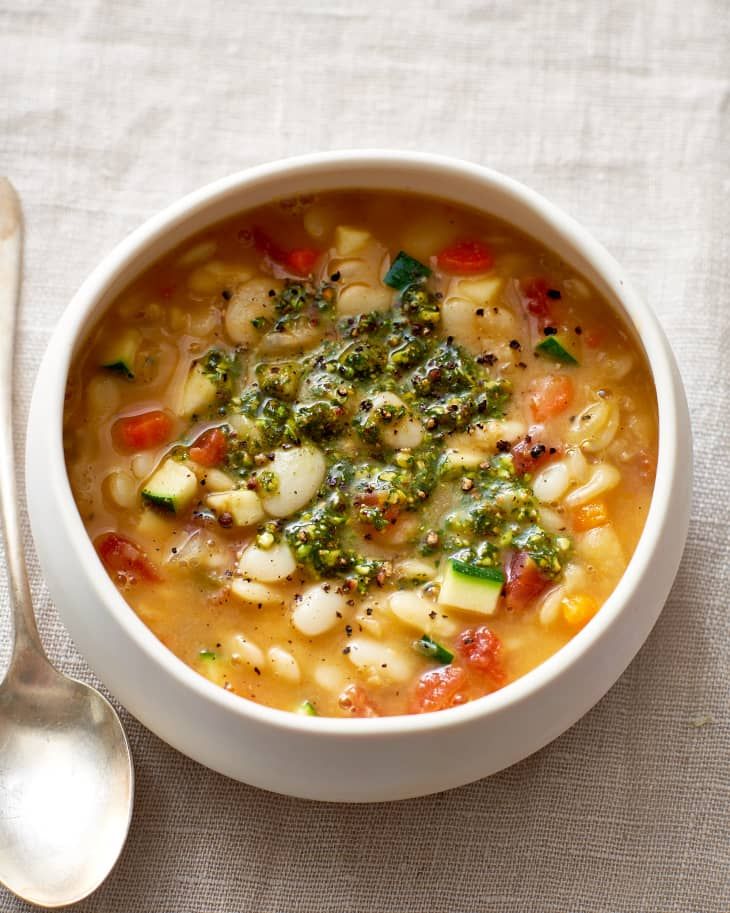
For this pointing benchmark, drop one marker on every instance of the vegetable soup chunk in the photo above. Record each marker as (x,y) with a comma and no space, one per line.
(360,454)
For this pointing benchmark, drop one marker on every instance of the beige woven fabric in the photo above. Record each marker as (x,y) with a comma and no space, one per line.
(617,110)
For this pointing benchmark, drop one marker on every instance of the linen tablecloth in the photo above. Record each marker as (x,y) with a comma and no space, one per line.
(619,112)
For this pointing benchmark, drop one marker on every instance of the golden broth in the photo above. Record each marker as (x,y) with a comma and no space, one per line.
(531,440)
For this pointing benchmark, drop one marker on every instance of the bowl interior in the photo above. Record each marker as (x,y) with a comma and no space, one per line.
(457,182)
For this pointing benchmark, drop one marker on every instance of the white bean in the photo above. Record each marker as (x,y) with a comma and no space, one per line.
(618,366)
(256,593)
(603,478)
(595,427)
(551,483)
(267,565)
(103,395)
(577,464)
(406,431)
(462,458)
(319,220)
(351,269)
(299,471)
(415,611)
(362,298)
(381,662)
(457,320)
(318,610)
(284,665)
(414,569)
(297,340)
(329,677)
(197,253)
(245,651)
(601,549)
(574,580)
(551,520)
(486,434)
(250,302)
(143,464)
(121,488)
(215,479)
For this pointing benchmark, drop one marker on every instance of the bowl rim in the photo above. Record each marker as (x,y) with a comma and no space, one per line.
(83,308)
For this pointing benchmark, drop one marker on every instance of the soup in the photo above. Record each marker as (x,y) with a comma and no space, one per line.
(362,453)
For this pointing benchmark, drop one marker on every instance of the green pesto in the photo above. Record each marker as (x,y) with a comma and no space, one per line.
(280,379)
(327,396)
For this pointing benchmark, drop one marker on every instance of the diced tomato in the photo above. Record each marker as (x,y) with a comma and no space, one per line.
(530,453)
(143,431)
(301,260)
(439,689)
(210,448)
(481,650)
(525,582)
(465,257)
(124,558)
(550,395)
(354,699)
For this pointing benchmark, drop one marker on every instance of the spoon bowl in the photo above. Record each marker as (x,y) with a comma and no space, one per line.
(66,780)
(66,775)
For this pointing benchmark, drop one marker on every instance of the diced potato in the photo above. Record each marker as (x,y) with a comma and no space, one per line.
(481,291)
(349,240)
(198,393)
(243,505)
(427,236)
(153,524)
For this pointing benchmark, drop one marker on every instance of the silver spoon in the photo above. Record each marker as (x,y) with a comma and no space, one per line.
(66,775)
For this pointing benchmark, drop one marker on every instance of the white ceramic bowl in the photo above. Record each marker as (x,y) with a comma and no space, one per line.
(353,759)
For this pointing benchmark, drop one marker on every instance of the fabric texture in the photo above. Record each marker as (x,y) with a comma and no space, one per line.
(619,112)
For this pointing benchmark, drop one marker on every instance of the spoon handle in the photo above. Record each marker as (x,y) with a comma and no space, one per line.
(26,632)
